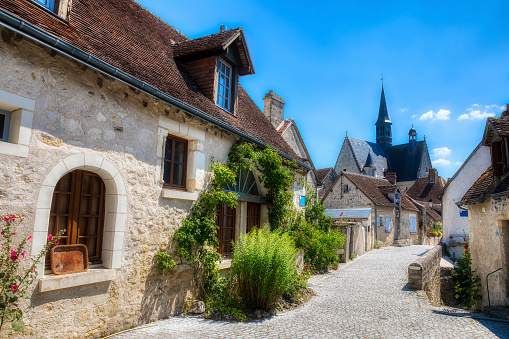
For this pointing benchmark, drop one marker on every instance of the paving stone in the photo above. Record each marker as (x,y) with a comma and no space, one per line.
(366,298)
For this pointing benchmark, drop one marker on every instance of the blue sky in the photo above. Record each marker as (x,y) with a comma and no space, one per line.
(445,64)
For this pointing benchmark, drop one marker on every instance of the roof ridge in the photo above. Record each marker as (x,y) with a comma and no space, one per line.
(205,36)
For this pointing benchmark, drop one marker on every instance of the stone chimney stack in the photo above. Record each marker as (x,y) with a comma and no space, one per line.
(391,176)
(274,108)
(506,112)
(433,175)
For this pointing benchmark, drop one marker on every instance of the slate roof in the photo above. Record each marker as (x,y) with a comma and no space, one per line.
(322,173)
(349,213)
(423,190)
(480,187)
(383,113)
(126,36)
(361,149)
(405,164)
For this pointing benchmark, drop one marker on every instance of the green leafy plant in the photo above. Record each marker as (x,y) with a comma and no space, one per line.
(197,240)
(263,267)
(377,245)
(16,276)
(467,283)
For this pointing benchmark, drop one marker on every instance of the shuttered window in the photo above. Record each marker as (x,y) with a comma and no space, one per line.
(413,227)
(226,228)
(388,224)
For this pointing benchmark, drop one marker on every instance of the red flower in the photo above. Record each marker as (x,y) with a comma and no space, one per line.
(24,254)
(305,267)
(14,257)
(466,252)
(56,243)
(466,246)
(341,214)
(14,288)
(50,237)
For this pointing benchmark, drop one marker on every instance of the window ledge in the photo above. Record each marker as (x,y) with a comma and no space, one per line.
(14,149)
(180,195)
(225,264)
(53,282)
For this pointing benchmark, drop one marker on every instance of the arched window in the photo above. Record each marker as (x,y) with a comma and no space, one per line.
(78,208)
(245,183)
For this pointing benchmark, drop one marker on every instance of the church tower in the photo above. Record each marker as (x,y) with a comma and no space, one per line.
(383,124)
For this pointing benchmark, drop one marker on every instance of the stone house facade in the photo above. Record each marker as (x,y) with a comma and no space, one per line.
(488,216)
(455,219)
(393,216)
(110,135)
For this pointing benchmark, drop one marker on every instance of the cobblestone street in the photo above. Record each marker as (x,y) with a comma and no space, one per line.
(366,298)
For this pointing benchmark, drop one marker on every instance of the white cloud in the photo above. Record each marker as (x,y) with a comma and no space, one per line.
(414,116)
(441,152)
(440,162)
(404,109)
(481,112)
(458,163)
(442,114)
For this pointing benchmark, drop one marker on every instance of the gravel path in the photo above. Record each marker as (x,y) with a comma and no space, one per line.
(366,298)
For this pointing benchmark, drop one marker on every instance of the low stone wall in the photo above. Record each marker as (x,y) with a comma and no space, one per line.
(433,241)
(424,274)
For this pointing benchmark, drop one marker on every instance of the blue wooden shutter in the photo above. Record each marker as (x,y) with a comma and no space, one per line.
(387,224)
(412,224)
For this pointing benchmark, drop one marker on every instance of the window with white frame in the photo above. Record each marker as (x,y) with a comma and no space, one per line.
(413,226)
(5,123)
(16,116)
(224,85)
(387,224)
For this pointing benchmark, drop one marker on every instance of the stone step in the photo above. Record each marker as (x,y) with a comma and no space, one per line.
(400,243)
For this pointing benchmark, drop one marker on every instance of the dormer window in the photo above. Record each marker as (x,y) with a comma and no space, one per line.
(224,85)
(58,7)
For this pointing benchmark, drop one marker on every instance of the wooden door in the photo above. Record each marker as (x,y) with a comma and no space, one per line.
(253,216)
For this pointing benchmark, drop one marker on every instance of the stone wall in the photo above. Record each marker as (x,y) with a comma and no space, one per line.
(413,238)
(424,274)
(382,235)
(489,230)
(354,198)
(346,160)
(80,112)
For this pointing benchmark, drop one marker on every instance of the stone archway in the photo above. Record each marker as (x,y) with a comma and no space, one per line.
(115,205)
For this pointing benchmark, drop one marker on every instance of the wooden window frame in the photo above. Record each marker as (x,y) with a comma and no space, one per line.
(172,162)
(221,208)
(229,91)
(250,216)
(76,194)
(5,126)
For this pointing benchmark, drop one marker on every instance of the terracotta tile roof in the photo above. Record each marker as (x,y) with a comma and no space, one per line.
(284,126)
(322,173)
(386,189)
(480,187)
(423,190)
(433,214)
(128,37)
(370,186)
(407,203)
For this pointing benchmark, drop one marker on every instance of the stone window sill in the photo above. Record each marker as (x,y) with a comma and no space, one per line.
(225,264)
(179,195)
(14,149)
(53,282)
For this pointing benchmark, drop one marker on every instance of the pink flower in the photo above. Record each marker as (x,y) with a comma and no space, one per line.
(14,234)
(56,243)
(13,217)
(7,218)
(24,254)
(30,238)
(316,257)
(14,257)
(50,237)
(309,260)
(14,288)
(33,270)
(13,250)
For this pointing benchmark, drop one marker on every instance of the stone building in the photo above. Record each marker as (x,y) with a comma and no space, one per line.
(110,120)
(454,218)
(408,162)
(487,201)
(394,218)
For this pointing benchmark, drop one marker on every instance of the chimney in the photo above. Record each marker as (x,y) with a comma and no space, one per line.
(391,176)
(274,108)
(506,112)
(433,175)
(222,28)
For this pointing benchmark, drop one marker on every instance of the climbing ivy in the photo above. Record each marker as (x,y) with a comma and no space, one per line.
(197,240)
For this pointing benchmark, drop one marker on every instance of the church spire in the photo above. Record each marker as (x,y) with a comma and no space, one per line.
(383,123)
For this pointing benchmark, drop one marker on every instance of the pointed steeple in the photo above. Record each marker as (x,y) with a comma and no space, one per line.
(383,124)
(383,113)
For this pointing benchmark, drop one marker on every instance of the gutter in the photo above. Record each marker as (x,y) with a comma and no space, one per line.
(21,27)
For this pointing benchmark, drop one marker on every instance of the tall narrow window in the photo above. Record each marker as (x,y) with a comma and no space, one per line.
(175,162)
(224,76)
(226,228)
(413,227)
(78,208)
(253,216)
(5,118)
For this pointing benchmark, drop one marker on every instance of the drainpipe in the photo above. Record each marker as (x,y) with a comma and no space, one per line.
(35,34)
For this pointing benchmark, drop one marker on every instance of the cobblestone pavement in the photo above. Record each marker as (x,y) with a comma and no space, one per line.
(366,298)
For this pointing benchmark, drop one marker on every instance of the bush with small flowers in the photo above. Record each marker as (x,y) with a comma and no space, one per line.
(467,283)
(16,275)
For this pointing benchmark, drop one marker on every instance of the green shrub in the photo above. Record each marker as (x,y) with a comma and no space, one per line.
(377,245)
(467,284)
(263,267)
